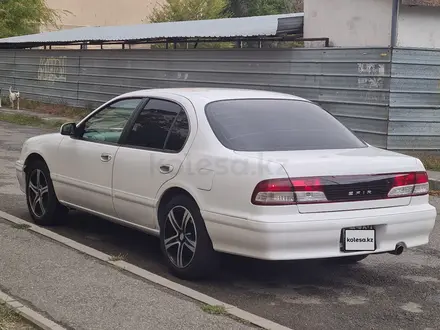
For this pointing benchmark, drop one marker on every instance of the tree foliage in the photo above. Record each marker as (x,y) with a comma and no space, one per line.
(185,10)
(19,17)
(188,10)
(242,8)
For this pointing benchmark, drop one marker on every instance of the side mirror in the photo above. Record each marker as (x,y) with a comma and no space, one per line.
(68,129)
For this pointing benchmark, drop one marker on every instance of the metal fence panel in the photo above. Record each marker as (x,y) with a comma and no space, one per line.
(390,101)
(414,121)
(47,76)
(7,68)
(353,84)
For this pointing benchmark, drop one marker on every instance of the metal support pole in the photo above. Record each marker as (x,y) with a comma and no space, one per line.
(394,22)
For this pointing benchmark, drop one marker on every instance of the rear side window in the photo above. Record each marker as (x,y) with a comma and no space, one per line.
(178,133)
(277,125)
(153,124)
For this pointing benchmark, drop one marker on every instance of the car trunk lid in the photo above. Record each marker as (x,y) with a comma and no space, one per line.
(351,179)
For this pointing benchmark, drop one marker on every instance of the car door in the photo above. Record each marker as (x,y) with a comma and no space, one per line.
(150,154)
(83,174)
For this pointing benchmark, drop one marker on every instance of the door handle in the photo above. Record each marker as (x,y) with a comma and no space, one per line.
(165,169)
(106,157)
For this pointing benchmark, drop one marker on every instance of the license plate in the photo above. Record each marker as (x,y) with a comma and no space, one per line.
(359,240)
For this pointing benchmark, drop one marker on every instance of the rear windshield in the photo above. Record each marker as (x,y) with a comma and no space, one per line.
(277,125)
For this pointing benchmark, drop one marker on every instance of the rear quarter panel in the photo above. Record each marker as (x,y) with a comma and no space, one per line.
(220,180)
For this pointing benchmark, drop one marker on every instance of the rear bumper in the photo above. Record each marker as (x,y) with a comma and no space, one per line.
(318,238)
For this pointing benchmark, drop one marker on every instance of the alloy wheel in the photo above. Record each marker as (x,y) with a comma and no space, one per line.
(180,239)
(38,193)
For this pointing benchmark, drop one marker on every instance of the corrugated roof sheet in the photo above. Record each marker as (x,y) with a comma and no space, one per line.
(269,25)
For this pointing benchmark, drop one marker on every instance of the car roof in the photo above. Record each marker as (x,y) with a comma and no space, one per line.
(207,95)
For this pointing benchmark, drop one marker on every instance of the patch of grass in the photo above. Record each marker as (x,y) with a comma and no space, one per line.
(215,310)
(117,257)
(61,110)
(20,226)
(26,120)
(7,317)
(221,310)
(10,320)
(435,193)
(431,162)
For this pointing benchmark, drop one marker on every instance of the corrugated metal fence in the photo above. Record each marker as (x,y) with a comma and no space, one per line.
(353,84)
(414,121)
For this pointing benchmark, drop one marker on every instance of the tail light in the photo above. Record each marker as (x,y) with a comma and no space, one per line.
(274,192)
(289,192)
(312,189)
(411,184)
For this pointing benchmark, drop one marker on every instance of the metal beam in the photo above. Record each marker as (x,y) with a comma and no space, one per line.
(394,22)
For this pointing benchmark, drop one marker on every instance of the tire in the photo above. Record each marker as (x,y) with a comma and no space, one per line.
(42,203)
(191,241)
(349,260)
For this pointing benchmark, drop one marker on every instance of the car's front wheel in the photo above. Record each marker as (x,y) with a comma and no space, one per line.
(42,202)
(185,241)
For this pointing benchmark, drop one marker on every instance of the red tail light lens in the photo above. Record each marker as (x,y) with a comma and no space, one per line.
(307,184)
(404,179)
(309,190)
(422,177)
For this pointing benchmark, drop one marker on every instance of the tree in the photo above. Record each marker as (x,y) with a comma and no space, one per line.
(184,10)
(188,10)
(242,8)
(20,17)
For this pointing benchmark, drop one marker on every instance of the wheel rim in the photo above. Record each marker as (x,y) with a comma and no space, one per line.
(38,193)
(180,239)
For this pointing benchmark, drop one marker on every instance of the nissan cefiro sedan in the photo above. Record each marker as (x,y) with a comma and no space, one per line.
(251,173)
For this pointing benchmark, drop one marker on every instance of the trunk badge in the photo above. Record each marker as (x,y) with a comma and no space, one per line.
(360,193)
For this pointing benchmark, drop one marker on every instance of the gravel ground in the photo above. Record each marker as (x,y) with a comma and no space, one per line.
(384,291)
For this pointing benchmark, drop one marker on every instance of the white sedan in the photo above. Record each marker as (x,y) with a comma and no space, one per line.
(251,173)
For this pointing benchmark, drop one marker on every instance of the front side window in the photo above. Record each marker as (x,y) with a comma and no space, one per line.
(107,125)
(277,125)
(152,126)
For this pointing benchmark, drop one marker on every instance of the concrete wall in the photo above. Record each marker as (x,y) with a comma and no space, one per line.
(349,23)
(102,12)
(419,27)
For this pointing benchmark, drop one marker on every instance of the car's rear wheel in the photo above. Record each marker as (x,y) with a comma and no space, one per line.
(43,205)
(185,241)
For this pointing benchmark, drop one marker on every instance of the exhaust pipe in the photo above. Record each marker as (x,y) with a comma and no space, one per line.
(400,247)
